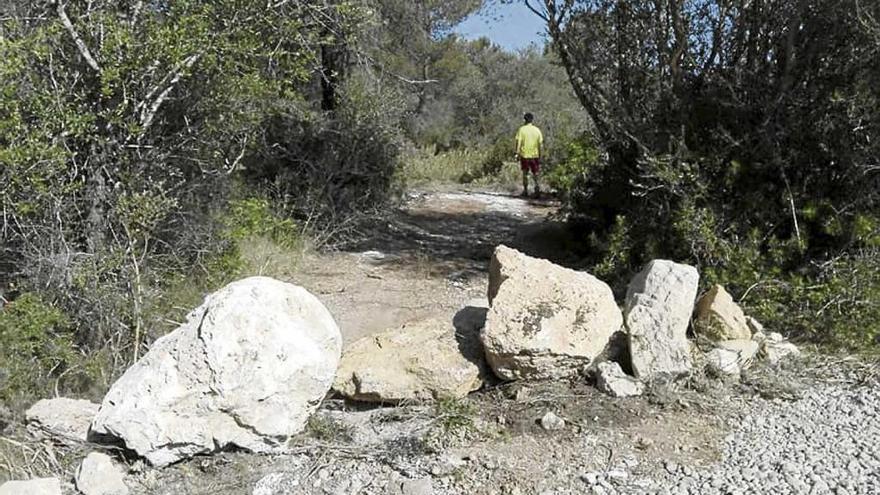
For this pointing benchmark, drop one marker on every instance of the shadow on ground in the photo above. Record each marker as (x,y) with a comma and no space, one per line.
(454,232)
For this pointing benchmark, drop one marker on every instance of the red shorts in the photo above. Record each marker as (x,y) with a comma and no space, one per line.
(533,164)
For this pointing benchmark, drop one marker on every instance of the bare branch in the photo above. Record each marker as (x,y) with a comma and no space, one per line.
(147,118)
(80,44)
(535,10)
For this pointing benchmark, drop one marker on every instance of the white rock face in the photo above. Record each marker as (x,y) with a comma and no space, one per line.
(718,317)
(98,475)
(659,304)
(64,420)
(41,486)
(545,321)
(247,369)
(613,381)
(423,360)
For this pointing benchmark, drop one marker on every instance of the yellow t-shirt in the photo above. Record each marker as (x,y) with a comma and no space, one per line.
(529,141)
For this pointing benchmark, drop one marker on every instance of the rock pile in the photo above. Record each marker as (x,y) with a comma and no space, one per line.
(546,321)
(255,360)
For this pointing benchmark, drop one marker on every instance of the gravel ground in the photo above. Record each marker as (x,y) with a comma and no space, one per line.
(826,442)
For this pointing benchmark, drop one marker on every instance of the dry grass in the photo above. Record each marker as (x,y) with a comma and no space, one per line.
(22,458)
(455,167)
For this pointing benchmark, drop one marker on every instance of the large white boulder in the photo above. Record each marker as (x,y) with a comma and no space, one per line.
(99,475)
(718,317)
(247,369)
(659,304)
(64,420)
(423,360)
(545,321)
(39,486)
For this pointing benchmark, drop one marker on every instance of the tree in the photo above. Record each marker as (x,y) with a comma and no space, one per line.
(122,125)
(706,108)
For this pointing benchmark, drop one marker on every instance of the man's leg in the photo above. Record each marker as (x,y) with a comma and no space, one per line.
(536,173)
(525,172)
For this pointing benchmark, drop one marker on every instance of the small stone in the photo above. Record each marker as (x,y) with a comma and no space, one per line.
(99,475)
(617,475)
(778,351)
(644,443)
(40,486)
(613,381)
(552,422)
(421,486)
(590,478)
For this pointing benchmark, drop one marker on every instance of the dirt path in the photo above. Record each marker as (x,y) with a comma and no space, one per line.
(428,258)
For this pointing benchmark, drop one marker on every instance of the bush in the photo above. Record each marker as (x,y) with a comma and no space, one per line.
(38,351)
(573,166)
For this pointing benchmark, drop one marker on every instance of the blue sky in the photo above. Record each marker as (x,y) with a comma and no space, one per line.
(511,26)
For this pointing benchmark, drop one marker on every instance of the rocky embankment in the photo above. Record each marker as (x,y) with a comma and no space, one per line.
(250,368)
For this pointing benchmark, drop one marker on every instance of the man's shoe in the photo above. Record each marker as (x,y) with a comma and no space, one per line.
(524,194)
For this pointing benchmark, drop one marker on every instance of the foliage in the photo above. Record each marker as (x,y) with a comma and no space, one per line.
(736,136)
(580,161)
(38,350)
(326,429)
(132,137)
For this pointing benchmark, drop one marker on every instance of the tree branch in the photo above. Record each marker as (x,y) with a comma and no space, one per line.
(148,117)
(80,44)
(535,10)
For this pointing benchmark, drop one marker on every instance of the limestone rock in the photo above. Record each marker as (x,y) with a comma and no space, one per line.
(659,304)
(64,420)
(545,321)
(754,325)
(420,486)
(732,356)
(247,369)
(41,486)
(775,352)
(423,360)
(723,361)
(718,317)
(98,475)
(613,381)
(552,422)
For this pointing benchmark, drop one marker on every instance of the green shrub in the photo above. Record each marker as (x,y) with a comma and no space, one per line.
(253,217)
(37,350)
(579,159)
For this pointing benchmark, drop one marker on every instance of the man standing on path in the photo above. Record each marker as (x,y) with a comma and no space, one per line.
(529,145)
